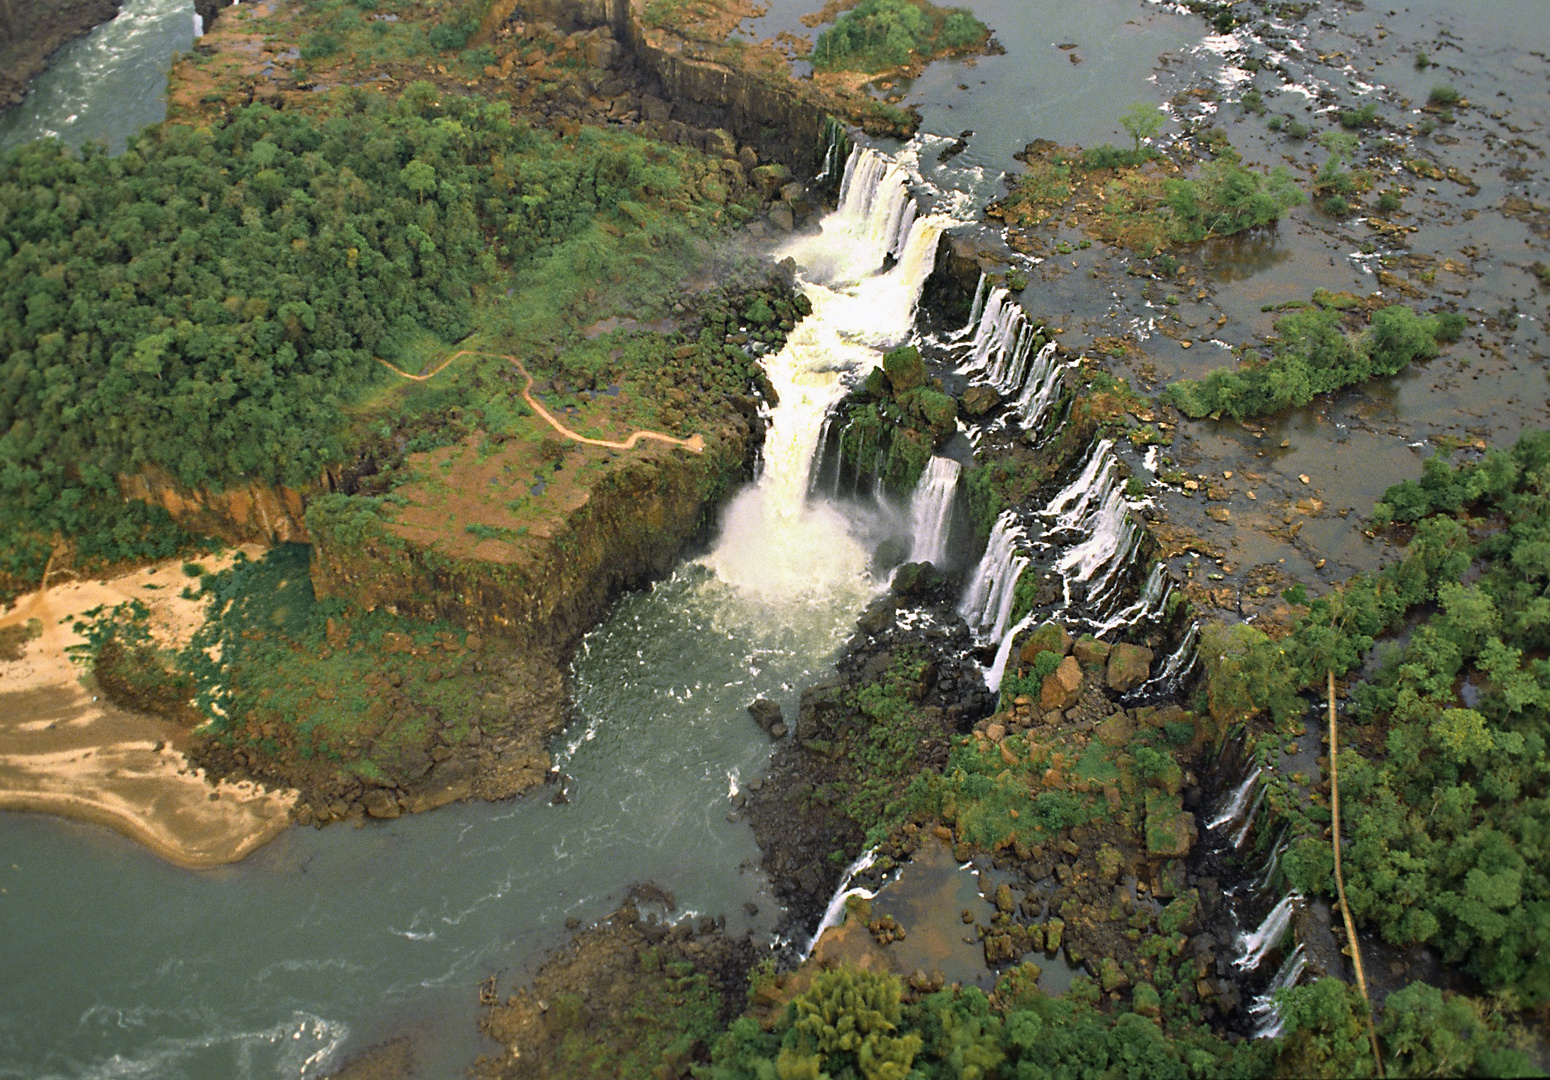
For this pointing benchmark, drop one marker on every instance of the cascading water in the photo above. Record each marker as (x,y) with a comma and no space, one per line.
(1040,388)
(776,541)
(1237,803)
(1003,337)
(1093,506)
(876,219)
(834,913)
(987,605)
(1268,1019)
(931,509)
(1254,947)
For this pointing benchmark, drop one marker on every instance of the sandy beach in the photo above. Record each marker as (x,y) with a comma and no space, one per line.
(66,751)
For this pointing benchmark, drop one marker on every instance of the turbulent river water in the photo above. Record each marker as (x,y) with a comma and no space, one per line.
(118,965)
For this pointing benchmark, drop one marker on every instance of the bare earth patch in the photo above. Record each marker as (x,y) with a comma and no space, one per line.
(63,751)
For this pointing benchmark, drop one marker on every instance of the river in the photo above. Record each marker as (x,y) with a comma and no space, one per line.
(119,965)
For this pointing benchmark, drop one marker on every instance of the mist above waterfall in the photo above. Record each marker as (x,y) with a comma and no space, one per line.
(778,543)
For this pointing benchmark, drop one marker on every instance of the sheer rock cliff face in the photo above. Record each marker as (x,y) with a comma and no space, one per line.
(630,530)
(252,513)
(700,93)
(30,31)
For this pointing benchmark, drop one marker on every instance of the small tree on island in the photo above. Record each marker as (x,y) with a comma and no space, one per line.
(1141,121)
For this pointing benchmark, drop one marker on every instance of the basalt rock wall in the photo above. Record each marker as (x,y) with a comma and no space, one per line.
(631,530)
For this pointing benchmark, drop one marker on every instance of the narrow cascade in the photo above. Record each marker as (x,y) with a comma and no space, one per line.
(1239,801)
(1248,819)
(1151,602)
(1093,506)
(981,291)
(1003,337)
(1269,1021)
(1253,948)
(931,509)
(987,604)
(835,912)
(775,541)
(1177,667)
(1040,388)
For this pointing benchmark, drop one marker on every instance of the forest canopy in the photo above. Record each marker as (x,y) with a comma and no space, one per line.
(209,303)
(880,34)
(1313,355)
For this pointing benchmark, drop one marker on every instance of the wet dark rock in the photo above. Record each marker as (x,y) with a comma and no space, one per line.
(765,713)
(979,399)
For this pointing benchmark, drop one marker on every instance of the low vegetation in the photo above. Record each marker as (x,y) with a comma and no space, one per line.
(878,35)
(1140,199)
(1314,354)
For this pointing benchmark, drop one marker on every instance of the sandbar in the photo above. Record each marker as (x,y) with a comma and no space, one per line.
(66,750)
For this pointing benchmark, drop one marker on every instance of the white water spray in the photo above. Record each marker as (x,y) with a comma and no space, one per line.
(835,912)
(1263,1008)
(1239,801)
(931,509)
(987,604)
(1253,948)
(775,542)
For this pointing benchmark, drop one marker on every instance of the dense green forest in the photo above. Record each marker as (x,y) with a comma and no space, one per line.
(1313,355)
(1445,779)
(850,1025)
(879,34)
(209,302)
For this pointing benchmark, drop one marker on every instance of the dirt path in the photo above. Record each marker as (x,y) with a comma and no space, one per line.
(695,443)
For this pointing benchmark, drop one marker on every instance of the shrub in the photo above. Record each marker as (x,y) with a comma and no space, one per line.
(1444,95)
(320,45)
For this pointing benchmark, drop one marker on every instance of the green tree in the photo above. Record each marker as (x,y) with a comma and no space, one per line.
(1141,122)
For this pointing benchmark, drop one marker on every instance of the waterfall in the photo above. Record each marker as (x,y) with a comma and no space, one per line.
(931,509)
(1003,337)
(1093,506)
(836,909)
(1237,803)
(775,542)
(1248,819)
(1254,947)
(1179,664)
(1042,384)
(1150,604)
(987,604)
(873,221)
(1263,1008)
(975,310)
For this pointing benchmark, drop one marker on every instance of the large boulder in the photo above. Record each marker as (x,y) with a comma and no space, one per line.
(1116,731)
(1051,637)
(380,803)
(766,714)
(1170,829)
(1090,652)
(1062,689)
(905,368)
(978,400)
(1129,666)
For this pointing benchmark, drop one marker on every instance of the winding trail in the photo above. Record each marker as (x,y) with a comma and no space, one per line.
(695,443)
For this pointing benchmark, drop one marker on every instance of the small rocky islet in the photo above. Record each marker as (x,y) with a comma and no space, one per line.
(1098,712)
